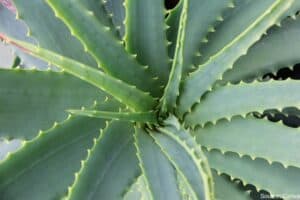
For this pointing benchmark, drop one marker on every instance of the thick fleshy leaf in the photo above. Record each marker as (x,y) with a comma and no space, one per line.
(236,21)
(274,177)
(145,35)
(245,98)
(202,17)
(158,171)
(171,92)
(226,189)
(35,171)
(106,49)
(187,157)
(31,100)
(172,22)
(248,136)
(277,49)
(138,190)
(97,7)
(185,189)
(111,165)
(116,9)
(127,94)
(49,31)
(259,16)
(145,117)
(16,28)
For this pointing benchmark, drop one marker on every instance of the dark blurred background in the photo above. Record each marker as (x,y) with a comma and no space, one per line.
(171,3)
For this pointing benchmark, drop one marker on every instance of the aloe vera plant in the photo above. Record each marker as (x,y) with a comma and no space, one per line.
(143,103)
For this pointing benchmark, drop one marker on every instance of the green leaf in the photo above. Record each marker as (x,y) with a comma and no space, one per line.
(232,23)
(116,10)
(263,14)
(111,165)
(158,171)
(275,50)
(172,21)
(253,135)
(32,100)
(203,16)
(127,94)
(271,177)
(35,171)
(145,35)
(185,189)
(171,91)
(138,190)
(187,157)
(106,49)
(244,98)
(237,20)
(146,117)
(97,7)
(10,26)
(226,189)
(49,31)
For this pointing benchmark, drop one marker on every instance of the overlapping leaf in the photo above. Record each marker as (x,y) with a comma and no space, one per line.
(145,35)
(111,165)
(34,100)
(279,48)
(262,15)
(127,94)
(160,159)
(274,177)
(35,171)
(187,158)
(158,171)
(245,98)
(49,31)
(10,26)
(253,135)
(106,49)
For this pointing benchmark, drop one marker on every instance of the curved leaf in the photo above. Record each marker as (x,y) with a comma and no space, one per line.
(49,31)
(187,157)
(35,171)
(97,7)
(116,10)
(138,190)
(127,94)
(158,171)
(202,17)
(226,189)
(171,91)
(172,21)
(279,48)
(32,100)
(16,28)
(267,13)
(274,177)
(253,135)
(145,35)
(245,98)
(111,165)
(106,49)
(146,117)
